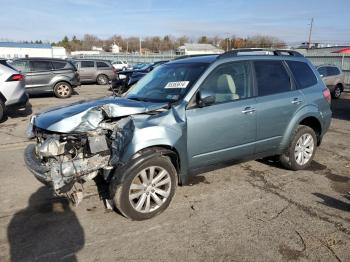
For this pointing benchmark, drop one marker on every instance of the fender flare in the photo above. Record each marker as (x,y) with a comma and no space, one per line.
(307,111)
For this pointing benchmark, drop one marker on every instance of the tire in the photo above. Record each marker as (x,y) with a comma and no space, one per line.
(2,110)
(144,202)
(63,90)
(300,153)
(336,92)
(102,79)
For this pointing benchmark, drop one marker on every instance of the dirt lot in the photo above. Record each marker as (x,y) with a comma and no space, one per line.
(253,211)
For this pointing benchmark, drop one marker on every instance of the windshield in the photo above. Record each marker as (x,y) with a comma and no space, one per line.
(167,83)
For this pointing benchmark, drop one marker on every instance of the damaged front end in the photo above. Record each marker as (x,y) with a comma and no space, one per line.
(67,160)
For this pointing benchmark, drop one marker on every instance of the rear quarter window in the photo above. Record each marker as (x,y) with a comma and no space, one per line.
(303,74)
(102,65)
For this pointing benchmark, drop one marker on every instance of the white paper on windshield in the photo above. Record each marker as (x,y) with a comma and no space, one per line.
(178,84)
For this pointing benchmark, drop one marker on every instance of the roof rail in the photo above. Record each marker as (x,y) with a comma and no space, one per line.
(189,56)
(276,52)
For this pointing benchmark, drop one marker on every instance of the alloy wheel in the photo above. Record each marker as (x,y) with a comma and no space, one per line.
(304,149)
(150,189)
(63,90)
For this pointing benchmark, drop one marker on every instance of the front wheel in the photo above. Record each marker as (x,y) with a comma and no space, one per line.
(63,90)
(301,150)
(147,190)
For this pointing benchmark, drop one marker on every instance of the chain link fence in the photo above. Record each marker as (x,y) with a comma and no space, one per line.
(342,61)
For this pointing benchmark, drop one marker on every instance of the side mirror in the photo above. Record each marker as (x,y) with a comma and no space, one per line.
(205,98)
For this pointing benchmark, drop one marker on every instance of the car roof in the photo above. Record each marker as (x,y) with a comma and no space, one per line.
(194,59)
(40,58)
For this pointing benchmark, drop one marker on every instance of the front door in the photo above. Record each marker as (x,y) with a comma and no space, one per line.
(225,130)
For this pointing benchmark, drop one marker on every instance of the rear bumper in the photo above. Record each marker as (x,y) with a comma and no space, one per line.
(35,166)
(19,102)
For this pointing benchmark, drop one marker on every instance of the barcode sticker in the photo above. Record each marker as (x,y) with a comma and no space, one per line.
(179,84)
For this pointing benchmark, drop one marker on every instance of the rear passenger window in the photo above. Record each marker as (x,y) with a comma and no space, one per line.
(302,73)
(61,65)
(38,66)
(271,77)
(102,65)
(87,64)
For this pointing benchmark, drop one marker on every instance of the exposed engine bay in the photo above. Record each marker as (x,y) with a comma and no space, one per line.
(66,161)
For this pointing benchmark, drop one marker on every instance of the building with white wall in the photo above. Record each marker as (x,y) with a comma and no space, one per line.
(115,48)
(198,49)
(12,50)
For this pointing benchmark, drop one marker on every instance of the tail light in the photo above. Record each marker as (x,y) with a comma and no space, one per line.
(327,95)
(15,77)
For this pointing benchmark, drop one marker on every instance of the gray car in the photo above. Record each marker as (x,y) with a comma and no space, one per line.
(95,71)
(333,77)
(184,115)
(12,92)
(48,75)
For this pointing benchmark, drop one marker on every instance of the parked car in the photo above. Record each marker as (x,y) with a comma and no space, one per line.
(12,91)
(95,71)
(333,78)
(128,78)
(47,75)
(184,115)
(121,65)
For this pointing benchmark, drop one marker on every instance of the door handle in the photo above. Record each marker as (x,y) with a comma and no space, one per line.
(248,110)
(297,101)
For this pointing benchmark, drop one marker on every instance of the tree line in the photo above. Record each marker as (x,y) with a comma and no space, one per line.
(156,44)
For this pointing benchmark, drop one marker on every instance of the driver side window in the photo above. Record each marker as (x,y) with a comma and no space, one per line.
(229,82)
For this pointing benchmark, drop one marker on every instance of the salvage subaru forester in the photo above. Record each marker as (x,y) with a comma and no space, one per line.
(188,113)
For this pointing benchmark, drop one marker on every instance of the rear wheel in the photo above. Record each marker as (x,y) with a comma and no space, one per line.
(63,90)
(337,92)
(301,150)
(147,190)
(102,79)
(2,110)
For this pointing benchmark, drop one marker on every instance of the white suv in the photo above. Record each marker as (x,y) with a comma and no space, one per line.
(121,65)
(12,91)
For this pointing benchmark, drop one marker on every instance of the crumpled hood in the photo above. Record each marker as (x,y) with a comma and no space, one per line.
(86,116)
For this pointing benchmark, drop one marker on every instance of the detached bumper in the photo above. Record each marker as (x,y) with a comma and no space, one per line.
(34,165)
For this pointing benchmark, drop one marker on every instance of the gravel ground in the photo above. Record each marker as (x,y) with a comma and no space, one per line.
(252,211)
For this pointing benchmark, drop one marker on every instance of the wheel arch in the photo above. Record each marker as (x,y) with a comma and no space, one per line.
(308,116)
(118,175)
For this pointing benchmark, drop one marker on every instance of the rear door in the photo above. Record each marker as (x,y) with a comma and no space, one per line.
(41,73)
(277,101)
(87,71)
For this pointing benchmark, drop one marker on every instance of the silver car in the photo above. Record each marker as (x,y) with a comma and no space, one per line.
(333,77)
(12,91)
(95,71)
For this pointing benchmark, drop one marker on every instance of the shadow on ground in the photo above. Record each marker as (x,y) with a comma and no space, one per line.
(47,230)
(335,203)
(341,107)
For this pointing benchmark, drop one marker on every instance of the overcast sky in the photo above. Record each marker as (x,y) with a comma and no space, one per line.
(53,19)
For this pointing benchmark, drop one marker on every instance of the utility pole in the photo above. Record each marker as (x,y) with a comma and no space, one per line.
(310,32)
(140,45)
